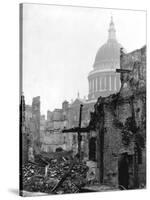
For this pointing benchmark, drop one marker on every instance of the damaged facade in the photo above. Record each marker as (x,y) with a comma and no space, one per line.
(31,128)
(24,140)
(120,125)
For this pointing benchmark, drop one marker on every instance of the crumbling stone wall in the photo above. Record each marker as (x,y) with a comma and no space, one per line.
(120,124)
(23,134)
(36,123)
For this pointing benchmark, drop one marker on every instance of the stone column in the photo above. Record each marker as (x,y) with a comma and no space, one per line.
(105,83)
(97,83)
(100,84)
(90,88)
(115,88)
(92,85)
(96,86)
(93,88)
(110,82)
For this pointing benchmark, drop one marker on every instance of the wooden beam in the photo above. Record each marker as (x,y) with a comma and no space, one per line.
(76,130)
(123,70)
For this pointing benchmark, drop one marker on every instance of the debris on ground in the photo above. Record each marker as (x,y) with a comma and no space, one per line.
(60,177)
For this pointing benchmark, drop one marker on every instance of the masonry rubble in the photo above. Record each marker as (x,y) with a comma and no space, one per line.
(35,179)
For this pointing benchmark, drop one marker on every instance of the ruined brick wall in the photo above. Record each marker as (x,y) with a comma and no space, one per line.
(114,124)
(112,142)
(136,63)
(120,123)
(36,124)
(23,133)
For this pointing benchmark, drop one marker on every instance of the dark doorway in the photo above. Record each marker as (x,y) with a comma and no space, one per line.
(92,149)
(123,171)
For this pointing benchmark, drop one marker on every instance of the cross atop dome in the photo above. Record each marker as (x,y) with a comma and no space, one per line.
(111,30)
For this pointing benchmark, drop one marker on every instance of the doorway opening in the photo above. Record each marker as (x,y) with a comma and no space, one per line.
(123,169)
(92,149)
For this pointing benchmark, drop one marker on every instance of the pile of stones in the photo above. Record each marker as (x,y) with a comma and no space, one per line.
(35,179)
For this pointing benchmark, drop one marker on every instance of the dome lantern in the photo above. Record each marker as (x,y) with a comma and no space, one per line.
(112,30)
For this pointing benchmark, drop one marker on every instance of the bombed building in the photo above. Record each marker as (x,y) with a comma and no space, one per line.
(114,144)
(119,121)
(106,139)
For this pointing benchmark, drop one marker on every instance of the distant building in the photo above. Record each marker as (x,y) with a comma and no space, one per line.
(103,80)
(64,118)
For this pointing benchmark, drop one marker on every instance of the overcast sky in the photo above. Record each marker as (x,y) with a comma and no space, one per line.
(60,44)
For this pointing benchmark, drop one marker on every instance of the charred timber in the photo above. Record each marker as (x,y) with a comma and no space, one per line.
(123,71)
(77,129)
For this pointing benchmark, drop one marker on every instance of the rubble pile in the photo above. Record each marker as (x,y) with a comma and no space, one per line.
(75,180)
(32,177)
(35,180)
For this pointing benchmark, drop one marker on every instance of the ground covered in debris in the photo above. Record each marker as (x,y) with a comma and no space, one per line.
(70,172)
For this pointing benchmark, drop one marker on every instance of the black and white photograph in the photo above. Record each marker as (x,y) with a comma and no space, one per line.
(82,99)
